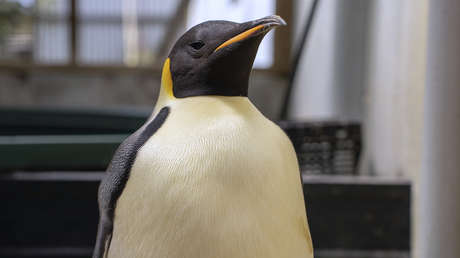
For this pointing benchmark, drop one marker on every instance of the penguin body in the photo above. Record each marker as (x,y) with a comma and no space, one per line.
(207,176)
(117,175)
(232,198)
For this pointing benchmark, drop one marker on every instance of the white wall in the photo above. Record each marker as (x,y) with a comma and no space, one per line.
(312,95)
(364,61)
(394,88)
(329,82)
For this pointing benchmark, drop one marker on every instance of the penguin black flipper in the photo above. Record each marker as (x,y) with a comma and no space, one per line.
(117,175)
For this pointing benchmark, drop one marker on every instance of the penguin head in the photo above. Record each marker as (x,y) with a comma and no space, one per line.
(216,57)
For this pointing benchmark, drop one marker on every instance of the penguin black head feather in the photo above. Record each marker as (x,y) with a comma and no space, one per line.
(216,57)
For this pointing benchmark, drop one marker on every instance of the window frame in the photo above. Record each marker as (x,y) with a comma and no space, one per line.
(280,66)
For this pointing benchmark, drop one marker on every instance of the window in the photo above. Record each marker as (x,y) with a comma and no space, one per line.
(137,33)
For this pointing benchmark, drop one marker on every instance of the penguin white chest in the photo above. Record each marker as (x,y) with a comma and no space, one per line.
(216,180)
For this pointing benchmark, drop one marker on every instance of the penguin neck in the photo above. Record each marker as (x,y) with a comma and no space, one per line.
(166,94)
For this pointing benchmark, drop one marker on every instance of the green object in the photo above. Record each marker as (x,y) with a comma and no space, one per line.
(47,121)
(63,139)
(53,152)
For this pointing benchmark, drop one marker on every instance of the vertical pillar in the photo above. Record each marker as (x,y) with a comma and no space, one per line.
(437,227)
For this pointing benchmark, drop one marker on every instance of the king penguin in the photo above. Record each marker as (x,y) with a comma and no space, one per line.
(207,176)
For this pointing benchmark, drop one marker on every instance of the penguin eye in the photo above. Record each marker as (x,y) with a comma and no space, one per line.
(197,44)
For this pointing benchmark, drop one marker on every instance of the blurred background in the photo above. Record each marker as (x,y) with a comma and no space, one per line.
(367,90)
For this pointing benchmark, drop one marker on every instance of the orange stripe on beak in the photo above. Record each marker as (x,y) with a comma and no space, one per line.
(240,36)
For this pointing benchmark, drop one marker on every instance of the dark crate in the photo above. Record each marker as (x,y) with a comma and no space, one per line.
(54,214)
(325,148)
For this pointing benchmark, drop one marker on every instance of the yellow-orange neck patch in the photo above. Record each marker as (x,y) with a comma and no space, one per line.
(166,79)
(240,36)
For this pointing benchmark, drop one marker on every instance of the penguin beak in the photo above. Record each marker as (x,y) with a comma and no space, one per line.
(254,28)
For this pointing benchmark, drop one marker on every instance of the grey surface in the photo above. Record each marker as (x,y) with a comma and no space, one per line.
(330,81)
(122,89)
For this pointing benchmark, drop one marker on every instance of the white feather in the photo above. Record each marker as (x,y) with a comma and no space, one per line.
(217,180)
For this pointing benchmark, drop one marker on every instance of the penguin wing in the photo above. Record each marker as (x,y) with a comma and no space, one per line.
(117,175)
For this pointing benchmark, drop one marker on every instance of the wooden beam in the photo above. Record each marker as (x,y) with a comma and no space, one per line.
(177,21)
(283,36)
(77,68)
(73,20)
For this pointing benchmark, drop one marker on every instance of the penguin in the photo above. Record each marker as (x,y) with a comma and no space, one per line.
(207,176)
